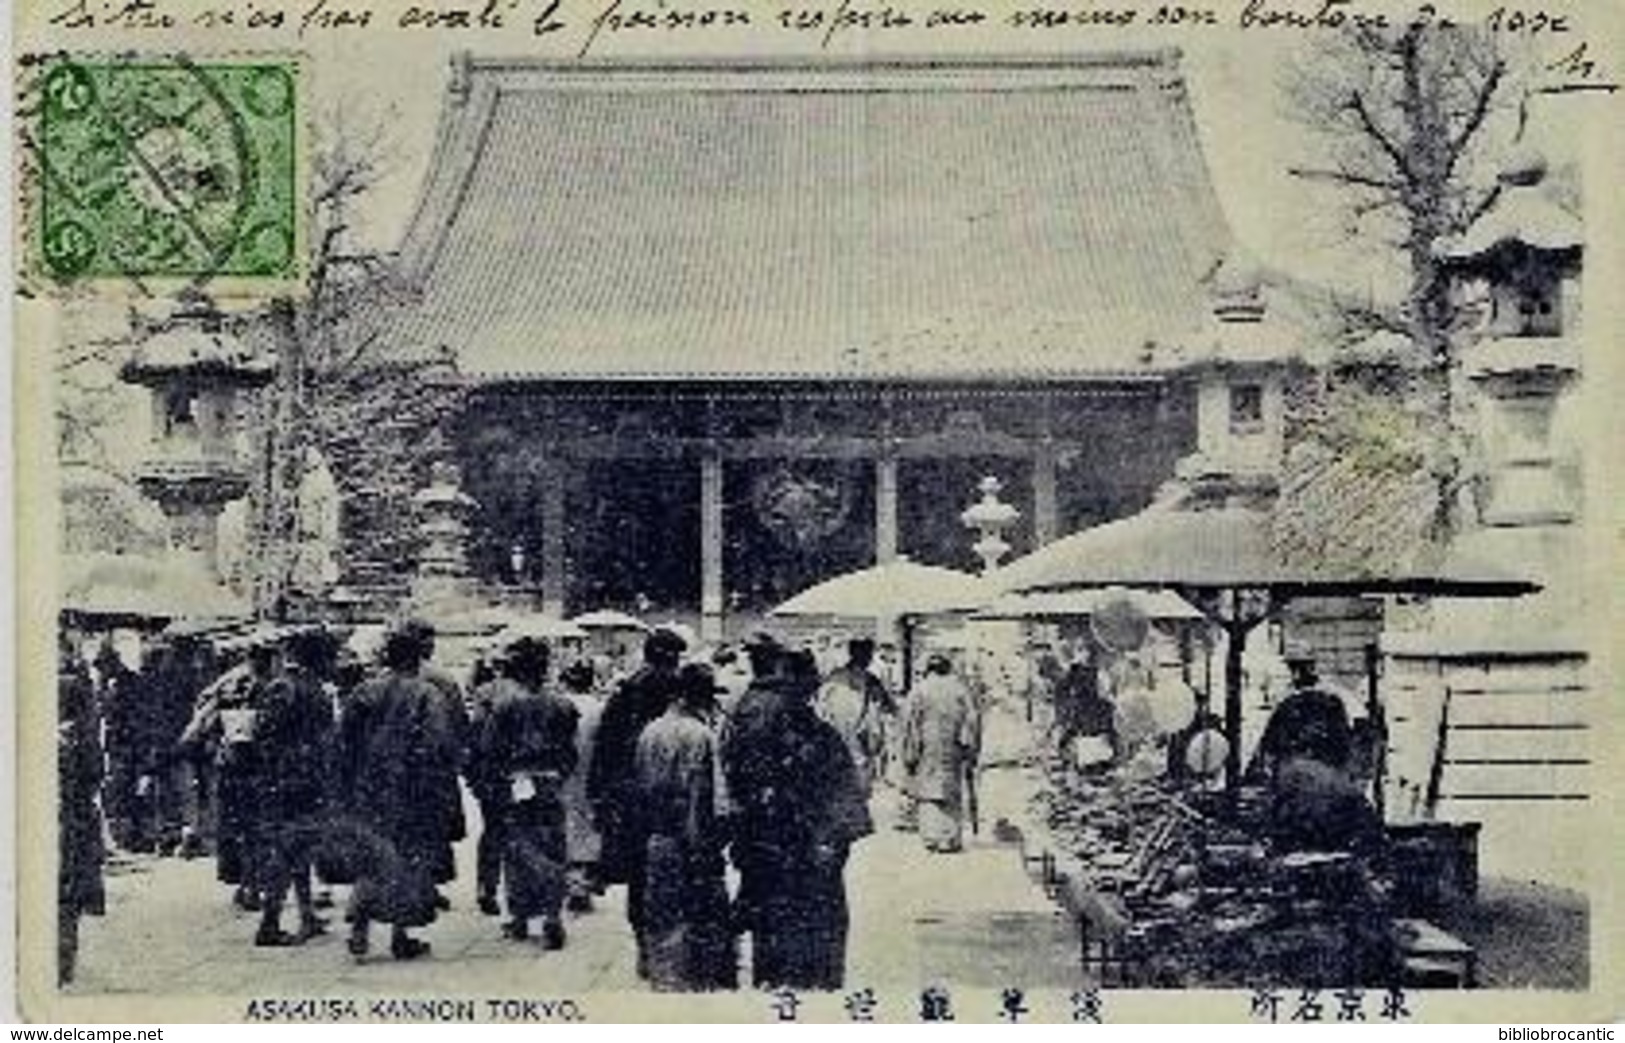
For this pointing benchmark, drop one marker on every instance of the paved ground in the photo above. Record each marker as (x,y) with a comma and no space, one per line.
(972,919)
(1528,935)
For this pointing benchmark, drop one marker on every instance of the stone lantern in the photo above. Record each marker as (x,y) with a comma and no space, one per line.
(195,372)
(1240,362)
(1515,277)
(444,512)
(1518,270)
(991,518)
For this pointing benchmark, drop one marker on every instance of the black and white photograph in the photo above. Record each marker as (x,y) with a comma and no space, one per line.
(637,511)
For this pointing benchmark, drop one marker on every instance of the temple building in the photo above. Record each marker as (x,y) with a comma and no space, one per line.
(724,330)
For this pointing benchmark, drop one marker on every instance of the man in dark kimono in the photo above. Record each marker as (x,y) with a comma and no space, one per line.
(611,785)
(1085,718)
(448,790)
(123,709)
(1310,723)
(80,853)
(486,787)
(526,745)
(295,734)
(171,685)
(800,808)
(687,932)
(241,776)
(399,743)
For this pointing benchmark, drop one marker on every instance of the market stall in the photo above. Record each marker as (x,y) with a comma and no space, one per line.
(1181,869)
(1176,886)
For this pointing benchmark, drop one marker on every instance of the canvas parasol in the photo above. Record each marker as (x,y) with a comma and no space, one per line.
(543,629)
(540,628)
(900,590)
(1052,605)
(130,589)
(1222,556)
(897,589)
(609,619)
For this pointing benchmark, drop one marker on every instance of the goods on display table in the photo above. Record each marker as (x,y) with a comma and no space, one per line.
(1177,887)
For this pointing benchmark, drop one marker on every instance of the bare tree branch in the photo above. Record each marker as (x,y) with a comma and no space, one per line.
(1481,108)
(1401,163)
(1346,177)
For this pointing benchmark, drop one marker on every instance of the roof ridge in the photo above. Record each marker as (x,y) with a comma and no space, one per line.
(467,65)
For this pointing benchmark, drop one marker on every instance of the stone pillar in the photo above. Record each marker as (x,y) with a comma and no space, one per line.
(193,534)
(885,509)
(711,521)
(554,575)
(1524,490)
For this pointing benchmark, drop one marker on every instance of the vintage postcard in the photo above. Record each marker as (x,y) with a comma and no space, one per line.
(537,511)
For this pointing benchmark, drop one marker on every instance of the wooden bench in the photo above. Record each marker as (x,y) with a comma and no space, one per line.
(1433,956)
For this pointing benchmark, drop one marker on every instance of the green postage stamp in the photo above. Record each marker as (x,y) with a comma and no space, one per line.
(166,169)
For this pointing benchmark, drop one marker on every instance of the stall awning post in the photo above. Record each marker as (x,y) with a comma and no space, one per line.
(1379,730)
(1235,647)
(907,625)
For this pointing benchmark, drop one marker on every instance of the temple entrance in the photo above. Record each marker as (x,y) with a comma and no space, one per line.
(933,492)
(633,535)
(722,503)
(792,523)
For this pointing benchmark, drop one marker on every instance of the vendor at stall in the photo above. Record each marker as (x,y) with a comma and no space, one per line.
(1085,719)
(1310,722)
(1304,757)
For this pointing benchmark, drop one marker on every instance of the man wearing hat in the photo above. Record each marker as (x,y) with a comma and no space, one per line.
(856,703)
(687,934)
(800,809)
(942,740)
(449,793)
(610,783)
(295,732)
(1310,722)
(1305,756)
(527,747)
(398,745)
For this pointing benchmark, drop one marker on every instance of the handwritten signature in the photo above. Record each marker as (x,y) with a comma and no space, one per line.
(1577,72)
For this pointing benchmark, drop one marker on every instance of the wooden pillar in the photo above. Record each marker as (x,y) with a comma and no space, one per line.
(885,508)
(1235,645)
(886,481)
(554,574)
(1044,519)
(711,541)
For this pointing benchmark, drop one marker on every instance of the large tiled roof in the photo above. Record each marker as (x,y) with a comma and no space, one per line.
(909,219)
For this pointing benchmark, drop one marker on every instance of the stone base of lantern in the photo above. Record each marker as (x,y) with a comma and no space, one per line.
(1491,706)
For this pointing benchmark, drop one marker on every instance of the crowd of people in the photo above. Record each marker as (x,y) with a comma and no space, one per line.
(303,762)
(302,767)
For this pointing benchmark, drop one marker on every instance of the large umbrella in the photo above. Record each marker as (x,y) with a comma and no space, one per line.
(130,589)
(609,619)
(900,590)
(1223,558)
(1054,605)
(1226,548)
(541,628)
(897,589)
